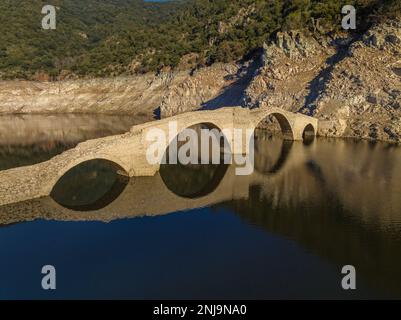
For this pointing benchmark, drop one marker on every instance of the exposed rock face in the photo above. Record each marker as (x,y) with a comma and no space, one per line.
(364,89)
(188,93)
(352,85)
(289,64)
(173,92)
(136,95)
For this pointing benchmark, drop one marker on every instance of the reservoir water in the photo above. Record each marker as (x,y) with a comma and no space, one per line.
(189,232)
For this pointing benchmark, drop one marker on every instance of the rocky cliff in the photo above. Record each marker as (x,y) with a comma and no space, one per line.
(351,83)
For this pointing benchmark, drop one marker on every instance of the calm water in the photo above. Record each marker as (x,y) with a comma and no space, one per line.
(30,139)
(202,232)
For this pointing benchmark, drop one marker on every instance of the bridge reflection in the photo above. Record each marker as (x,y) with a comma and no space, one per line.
(196,180)
(100,190)
(192,181)
(91,185)
(339,200)
(285,172)
(271,154)
(129,150)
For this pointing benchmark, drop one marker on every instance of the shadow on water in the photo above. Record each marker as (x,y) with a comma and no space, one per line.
(331,205)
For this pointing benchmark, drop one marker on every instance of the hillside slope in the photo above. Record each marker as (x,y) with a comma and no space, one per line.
(352,85)
(122,37)
(28,51)
(351,81)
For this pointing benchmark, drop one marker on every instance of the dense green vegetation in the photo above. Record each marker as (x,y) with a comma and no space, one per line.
(110,37)
(86,30)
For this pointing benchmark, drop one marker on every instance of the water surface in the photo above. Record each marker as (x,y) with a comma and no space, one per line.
(203,232)
(29,139)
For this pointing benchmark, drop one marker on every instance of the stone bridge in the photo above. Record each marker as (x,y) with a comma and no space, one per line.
(133,202)
(128,150)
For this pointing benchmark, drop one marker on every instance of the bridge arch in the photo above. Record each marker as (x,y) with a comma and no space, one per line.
(309,131)
(195,181)
(129,150)
(286,127)
(308,134)
(197,126)
(54,185)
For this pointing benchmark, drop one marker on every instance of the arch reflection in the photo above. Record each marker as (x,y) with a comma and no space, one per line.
(308,135)
(196,180)
(192,181)
(271,153)
(91,185)
(276,123)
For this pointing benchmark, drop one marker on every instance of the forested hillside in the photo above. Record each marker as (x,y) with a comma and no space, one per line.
(111,37)
(82,26)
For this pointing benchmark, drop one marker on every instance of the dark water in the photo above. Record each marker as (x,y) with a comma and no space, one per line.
(286,231)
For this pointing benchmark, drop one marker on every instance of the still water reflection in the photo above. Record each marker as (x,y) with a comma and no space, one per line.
(202,232)
(30,139)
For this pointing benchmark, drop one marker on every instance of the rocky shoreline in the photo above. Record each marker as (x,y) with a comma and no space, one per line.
(351,84)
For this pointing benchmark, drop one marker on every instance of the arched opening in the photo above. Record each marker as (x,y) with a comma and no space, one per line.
(202,143)
(91,185)
(199,170)
(308,135)
(276,124)
(271,153)
(273,140)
